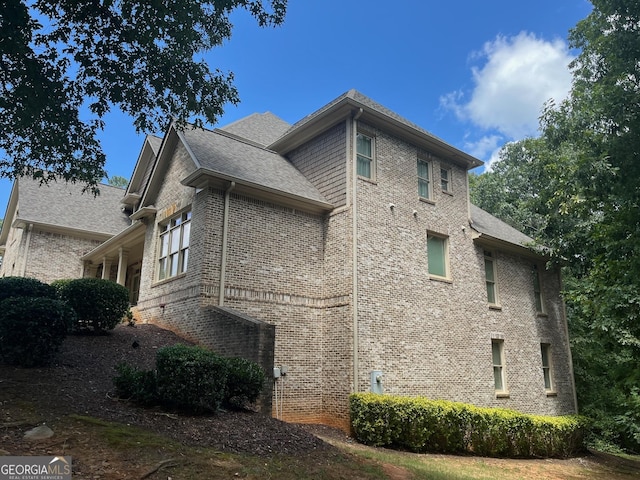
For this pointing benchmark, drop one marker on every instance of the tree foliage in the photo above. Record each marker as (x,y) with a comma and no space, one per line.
(66,63)
(580,185)
(118,181)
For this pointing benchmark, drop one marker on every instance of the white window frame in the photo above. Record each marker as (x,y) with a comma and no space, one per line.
(499,368)
(361,156)
(445,248)
(538,297)
(489,257)
(425,180)
(173,260)
(547,368)
(446,184)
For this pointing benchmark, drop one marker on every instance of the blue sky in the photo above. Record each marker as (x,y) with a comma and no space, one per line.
(475,74)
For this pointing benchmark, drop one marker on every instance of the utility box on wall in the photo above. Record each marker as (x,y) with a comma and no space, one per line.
(376,382)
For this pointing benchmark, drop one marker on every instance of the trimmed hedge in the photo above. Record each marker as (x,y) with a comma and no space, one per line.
(192,378)
(422,425)
(99,304)
(140,386)
(25,287)
(245,380)
(32,330)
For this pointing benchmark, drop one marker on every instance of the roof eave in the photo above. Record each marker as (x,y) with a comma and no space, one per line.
(9,213)
(491,242)
(49,227)
(203,178)
(131,234)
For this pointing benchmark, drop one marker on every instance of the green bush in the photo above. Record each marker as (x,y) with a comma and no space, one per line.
(32,329)
(137,385)
(99,304)
(192,378)
(25,287)
(245,380)
(423,425)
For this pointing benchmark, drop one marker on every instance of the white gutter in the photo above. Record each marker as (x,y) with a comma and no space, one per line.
(354,196)
(225,235)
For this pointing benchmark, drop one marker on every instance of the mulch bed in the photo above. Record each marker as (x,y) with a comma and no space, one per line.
(81,382)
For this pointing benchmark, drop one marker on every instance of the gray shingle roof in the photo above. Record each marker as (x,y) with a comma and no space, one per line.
(221,152)
(368,102)
(63,205)
(262,128)
(485,223)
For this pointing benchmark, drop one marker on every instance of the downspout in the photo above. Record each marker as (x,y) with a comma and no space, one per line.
(26,250)
(354,253)
(225,235)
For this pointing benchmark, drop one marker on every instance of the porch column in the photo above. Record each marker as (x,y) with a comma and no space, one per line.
(123,257)
(90,270)
(106,268)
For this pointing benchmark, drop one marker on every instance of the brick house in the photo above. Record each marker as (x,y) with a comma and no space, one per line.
(344,248)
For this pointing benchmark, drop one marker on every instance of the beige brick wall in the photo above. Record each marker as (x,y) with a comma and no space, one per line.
(294,270)
(433,337)
(45,255)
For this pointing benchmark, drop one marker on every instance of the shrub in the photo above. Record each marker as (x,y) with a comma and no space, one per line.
(25,287)
(32,329)
(192,378)
(59,284)
(424,425)
(99,304)
(245,380)
(137,385)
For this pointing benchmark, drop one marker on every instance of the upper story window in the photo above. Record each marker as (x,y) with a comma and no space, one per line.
(365,148)
(424,179)
(537,291)
(174,246)
(438,255)
(445,180)
(490,277)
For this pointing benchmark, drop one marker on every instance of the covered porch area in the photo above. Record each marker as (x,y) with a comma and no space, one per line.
(119,259)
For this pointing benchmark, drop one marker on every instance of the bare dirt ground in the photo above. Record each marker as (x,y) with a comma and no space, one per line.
(79,385)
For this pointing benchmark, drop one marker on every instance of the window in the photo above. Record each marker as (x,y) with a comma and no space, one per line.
(490,277)
(424,179)
(497,352)
(445,180)
(547,372)
(537,292)
(437,255)
(364,151)
(174,246)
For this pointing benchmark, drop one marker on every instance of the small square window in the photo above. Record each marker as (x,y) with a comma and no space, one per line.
(365,154)
(438,255)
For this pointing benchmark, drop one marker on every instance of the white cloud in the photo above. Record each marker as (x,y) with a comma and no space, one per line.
(484,146)
(517,76)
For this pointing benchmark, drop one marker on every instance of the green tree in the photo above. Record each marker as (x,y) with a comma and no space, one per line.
(118,181)
(59,57)
(580,188)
